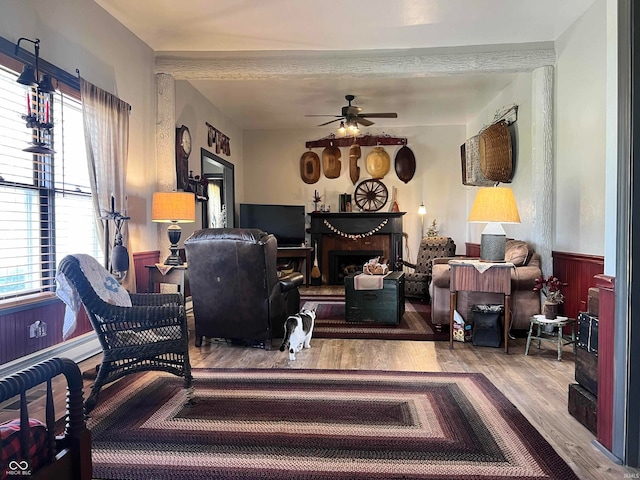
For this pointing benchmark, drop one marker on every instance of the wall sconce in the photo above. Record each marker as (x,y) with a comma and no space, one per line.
(37,118)
(494,205)
(422,211)
(119,253)
(173,208)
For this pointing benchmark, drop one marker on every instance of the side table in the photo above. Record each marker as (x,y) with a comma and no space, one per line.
(477,276)
(304,253)
(539,321)
(178,275)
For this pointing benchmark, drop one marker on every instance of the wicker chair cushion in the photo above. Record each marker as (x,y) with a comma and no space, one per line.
(102,282)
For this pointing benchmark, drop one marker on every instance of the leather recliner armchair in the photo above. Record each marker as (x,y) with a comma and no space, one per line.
(525,302)
(235,288)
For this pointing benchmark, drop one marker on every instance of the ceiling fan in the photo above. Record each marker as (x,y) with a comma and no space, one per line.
(351,115)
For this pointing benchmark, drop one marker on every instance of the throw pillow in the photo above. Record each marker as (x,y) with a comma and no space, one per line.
(516,252)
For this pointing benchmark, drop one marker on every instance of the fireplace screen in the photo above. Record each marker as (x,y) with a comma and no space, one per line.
(345,262)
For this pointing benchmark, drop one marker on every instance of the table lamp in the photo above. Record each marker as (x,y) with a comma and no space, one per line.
(173,208)
(495,206)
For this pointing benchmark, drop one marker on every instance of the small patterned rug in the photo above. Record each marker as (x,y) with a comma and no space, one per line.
(330,321)
(282,424)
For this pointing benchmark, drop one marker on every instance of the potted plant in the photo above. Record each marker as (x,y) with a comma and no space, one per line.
(550,288)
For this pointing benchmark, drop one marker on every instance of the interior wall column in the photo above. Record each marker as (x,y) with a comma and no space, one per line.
(165,147)
(542,164)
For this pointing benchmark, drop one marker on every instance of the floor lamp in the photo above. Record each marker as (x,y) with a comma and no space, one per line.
(495,206)
(422,211)
(173,208)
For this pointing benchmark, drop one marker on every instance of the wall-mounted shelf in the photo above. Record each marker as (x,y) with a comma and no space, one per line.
(363,141)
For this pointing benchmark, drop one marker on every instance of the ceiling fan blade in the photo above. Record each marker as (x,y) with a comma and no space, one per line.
(331,121)
(378,115)
(322,116)
(363,121)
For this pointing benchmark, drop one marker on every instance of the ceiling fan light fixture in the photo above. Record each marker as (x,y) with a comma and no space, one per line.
(352,117)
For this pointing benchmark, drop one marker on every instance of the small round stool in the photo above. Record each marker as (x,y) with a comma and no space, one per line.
(540,322)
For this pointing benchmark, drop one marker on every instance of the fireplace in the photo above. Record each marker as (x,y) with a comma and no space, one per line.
(344,262)
(361,234)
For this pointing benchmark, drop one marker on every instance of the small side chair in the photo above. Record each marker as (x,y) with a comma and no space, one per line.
(417,282)
(137,332)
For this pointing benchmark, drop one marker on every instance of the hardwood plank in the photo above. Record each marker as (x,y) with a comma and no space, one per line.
(537,384)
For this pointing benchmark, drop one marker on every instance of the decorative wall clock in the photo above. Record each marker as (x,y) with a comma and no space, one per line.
(183,150)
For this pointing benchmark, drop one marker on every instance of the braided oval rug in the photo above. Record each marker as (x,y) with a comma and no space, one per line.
(330,321)
(316,424)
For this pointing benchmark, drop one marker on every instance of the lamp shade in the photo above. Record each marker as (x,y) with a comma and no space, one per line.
(422,210)
(494,204)
(173,207)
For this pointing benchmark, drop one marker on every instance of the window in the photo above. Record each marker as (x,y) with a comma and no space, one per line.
(46,210)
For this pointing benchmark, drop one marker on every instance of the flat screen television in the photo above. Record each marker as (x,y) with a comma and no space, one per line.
(286,222)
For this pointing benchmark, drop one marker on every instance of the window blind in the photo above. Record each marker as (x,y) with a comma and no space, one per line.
(45,200)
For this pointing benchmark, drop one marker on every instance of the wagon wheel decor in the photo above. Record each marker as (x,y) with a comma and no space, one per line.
(371,195)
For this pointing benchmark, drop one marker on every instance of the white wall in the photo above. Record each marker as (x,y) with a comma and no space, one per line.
(272,175)
(518,93)
(193,110)
(80,34)
(611,189)
(580,123)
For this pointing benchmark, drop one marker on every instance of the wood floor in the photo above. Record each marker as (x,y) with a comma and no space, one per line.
(537,384)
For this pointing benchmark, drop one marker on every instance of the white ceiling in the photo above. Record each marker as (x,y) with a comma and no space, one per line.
(281,31)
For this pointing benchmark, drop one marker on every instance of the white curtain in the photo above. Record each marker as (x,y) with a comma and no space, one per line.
(106,130)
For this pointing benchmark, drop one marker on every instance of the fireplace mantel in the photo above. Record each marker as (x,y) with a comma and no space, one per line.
(356,231)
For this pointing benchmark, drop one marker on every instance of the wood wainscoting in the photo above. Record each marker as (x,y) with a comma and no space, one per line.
(606,354)
(472,250)
(16,322)
(141,259)
(578,272)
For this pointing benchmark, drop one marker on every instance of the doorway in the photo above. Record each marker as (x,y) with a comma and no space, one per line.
(218,211)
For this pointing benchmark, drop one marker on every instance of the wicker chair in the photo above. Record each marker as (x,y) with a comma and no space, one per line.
(151,334)
(417,282)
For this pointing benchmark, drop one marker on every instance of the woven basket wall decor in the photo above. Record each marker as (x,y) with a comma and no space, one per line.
(495,151)
(472,172)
